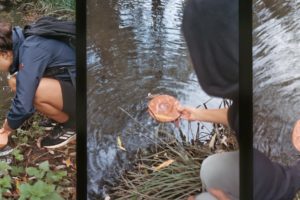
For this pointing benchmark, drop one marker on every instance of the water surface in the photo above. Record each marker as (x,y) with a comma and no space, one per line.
(276,72)
(134,48)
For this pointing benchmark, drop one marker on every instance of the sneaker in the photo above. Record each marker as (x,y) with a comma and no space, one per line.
(6,154)
(58,137)
(47,124)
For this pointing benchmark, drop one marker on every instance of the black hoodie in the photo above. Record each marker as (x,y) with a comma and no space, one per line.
(211,31)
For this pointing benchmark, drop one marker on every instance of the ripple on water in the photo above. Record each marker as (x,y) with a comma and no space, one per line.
(141,50)
(276,76)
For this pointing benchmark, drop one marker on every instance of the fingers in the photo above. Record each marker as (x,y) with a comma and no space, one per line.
(180,108)
(3,139)
(186,112)
(296,135)
(183,109)
(219,194)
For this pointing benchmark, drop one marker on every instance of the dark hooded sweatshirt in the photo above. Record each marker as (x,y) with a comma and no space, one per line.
(211,31)
(32,57)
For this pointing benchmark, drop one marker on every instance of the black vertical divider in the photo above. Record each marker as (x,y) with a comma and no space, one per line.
(81,116)
(245,107)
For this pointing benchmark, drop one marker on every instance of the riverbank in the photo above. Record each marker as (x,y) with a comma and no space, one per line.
(24,12)
(170,169)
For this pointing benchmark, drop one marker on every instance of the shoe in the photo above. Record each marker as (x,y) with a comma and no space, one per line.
(58,137)
(47,124)
(5,154)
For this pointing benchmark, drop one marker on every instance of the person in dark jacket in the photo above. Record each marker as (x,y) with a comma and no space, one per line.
(211,31)
(41,73)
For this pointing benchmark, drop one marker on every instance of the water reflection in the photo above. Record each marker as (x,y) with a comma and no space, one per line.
(135,48)
(276,72)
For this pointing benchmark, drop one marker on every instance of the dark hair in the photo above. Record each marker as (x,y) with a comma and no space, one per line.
(5,37)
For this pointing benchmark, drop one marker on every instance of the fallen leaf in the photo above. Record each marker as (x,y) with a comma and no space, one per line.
(68,162)
(17,186)
(164,164)
(73,154)
(120,145)
(60,167)
(51,152)
(212,141)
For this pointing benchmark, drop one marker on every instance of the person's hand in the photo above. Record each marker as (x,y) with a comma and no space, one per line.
(296,136)
(3,137)
(6,127)
(219,194)
(189,113)
(5,131)
(12,83)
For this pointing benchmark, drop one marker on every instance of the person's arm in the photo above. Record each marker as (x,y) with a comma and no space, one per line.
(34,61)
(205,115)
(285,180)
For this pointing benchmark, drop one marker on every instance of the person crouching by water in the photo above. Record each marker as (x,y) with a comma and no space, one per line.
(211,31)
(41,74)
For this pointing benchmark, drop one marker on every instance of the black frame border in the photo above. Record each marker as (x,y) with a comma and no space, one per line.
(81,103)
(246,101)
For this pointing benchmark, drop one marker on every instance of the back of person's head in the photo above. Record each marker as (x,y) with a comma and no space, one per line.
(5,37)
(211,31)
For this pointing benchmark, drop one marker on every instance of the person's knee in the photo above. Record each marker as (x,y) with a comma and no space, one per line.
(219,169)
(207,171)
(205,196)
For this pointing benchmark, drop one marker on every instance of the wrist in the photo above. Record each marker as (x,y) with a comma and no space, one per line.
(199,114)
(6,127)
(9,76)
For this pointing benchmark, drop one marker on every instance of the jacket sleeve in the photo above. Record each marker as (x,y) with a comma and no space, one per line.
(274,181)
(33,62)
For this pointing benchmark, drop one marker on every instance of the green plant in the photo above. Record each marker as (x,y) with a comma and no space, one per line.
(5,180)
(41,182)
(59,8)
(18,155)
(25,179)
(38,191)
(43,188)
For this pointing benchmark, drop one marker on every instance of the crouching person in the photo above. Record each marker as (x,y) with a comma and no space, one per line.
(42,75)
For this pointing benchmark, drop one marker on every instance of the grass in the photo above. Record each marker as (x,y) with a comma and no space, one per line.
(170,168)
(33,9)
(169,171)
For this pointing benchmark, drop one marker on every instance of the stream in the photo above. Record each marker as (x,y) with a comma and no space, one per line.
(134,48)
(276,77)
